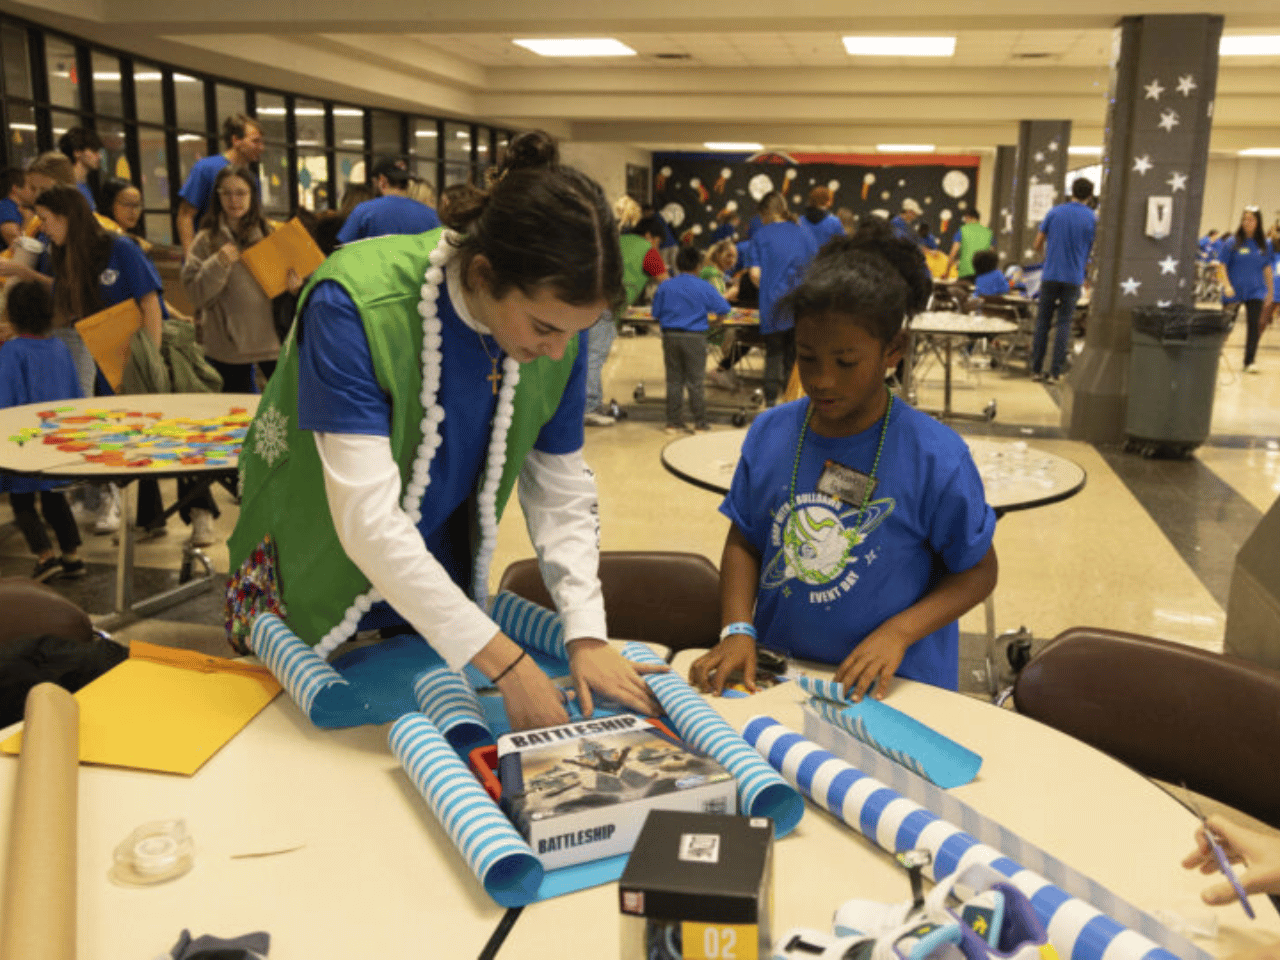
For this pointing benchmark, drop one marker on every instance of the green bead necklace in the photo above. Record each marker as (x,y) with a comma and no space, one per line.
(875,466)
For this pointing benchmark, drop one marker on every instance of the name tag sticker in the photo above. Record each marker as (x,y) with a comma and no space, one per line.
(845,483)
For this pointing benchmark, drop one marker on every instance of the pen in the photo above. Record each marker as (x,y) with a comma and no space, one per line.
(1220,855)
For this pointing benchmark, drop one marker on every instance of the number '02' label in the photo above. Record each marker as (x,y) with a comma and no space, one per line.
(720,941)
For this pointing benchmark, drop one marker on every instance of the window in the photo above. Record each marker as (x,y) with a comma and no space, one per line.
(148,90)
(309,122)
(313,179)
(230,101)
(273,178)
(348,128)
(21,139)
(424,135)
(64,81)
(115,157)
(350,169)
(271,116)
(107,97)
(457,143)
(154,174)
(17,63)
(386,134)
(188,95)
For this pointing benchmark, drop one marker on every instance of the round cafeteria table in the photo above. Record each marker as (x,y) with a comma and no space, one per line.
(366,869)
(947,327)
(153,435)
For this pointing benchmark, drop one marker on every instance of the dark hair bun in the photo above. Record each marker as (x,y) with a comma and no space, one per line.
(876,236)
(531,150)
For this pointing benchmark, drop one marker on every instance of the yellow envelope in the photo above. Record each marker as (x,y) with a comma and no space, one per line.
(288,246)
(166,709)
(108,333)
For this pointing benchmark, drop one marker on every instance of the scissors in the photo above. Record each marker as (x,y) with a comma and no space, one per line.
(1220,855)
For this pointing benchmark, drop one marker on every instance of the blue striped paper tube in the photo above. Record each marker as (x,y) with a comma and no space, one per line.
(499,857)
(449,702)
(324,696)
(529,624)
(901,738)
(1076,929)
(761,792)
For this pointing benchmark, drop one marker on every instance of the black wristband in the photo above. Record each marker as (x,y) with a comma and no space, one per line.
(510,667)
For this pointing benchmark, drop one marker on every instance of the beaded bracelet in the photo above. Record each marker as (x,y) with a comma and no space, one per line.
(512,666)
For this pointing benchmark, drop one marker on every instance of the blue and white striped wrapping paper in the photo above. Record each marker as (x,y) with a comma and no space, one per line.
(499,857)
(448,701)
(1077,928)
(529,624)
(318,689)
(902,738)
(761,792)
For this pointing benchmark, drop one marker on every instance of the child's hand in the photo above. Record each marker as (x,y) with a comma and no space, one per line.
(874,660)
(710,672)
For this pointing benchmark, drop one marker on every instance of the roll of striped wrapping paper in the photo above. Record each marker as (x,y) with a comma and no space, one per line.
(761,792)
(448,701)
(320,691)
(529,624)
(1077,930)
(901,738)
(499,857)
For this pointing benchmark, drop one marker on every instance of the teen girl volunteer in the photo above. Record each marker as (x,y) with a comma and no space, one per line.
(860,528)
(426,368)
(1246,255)
(780,251)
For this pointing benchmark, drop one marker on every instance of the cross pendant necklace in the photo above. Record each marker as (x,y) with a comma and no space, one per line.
(494,377)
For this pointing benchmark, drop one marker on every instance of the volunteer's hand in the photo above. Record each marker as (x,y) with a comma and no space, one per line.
(293,281)
(229,253)
(597,666)
(530,697)
(874,660)
(1259,852)
(711,671)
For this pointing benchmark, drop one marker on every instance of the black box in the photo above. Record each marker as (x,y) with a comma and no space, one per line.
(698,886)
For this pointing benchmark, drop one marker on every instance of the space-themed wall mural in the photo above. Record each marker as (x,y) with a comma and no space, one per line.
(691,190)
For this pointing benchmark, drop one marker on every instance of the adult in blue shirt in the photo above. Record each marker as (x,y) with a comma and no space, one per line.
(822,223)
(81,146)
(1246,258)
(16,194)
(1208,245)
(392,210)
(780,251)
(1065,237)
(903,223)
(242,138)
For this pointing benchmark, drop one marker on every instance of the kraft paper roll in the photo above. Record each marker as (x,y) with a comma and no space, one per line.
(40,889)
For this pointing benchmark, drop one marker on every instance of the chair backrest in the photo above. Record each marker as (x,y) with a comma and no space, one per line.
(1170,711)
(656,596)
(35,609)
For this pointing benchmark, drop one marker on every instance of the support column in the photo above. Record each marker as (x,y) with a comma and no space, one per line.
(1153,170)
(1253,605)
(1001,214)
(1039,176)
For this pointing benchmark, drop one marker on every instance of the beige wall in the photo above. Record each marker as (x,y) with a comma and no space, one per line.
(1232,183)
(606,163)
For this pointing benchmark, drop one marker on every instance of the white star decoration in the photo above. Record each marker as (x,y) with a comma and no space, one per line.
(1168,120)
(1142,164)
(1177,182)
(1130,287)
(1053,146)
(870,557)
(1040,156)
(1048,168)
(1033,179)
(1168,265)
(1164,303)
(1153,90)
(1186,85)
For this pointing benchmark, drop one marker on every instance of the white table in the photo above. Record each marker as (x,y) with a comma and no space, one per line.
(34,458)
(948,327)
(378,877)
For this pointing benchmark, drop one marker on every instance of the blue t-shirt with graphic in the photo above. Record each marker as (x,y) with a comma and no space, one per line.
(826,580)
(1246,264)
(993,283)
(782,251)
(1068,231)
(199,186)
(129,275)
(382,216)
(35,370)
(339,393)
(683,302)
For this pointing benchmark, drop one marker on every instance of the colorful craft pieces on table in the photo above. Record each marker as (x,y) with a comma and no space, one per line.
(738,316)
(254,589)
(899,737)
(1078,927)
(439,716)
(133,439)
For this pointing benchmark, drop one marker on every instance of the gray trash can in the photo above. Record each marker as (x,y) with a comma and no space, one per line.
(1173,371)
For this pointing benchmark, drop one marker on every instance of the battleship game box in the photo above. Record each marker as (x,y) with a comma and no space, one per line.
(580,791)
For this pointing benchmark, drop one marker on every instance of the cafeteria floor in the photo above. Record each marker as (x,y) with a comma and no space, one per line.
(1147,546)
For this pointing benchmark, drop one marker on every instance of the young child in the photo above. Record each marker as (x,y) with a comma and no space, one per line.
(37,368)
(860,530)
(681,306)
(988,281)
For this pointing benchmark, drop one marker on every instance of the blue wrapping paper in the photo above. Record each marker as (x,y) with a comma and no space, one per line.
(904,739)
(448,701)
(1078,930)
(319,690)
(761,792)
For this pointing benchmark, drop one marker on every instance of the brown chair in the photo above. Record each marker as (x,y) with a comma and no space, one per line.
(34,609)
(655,596)
(1170,711)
